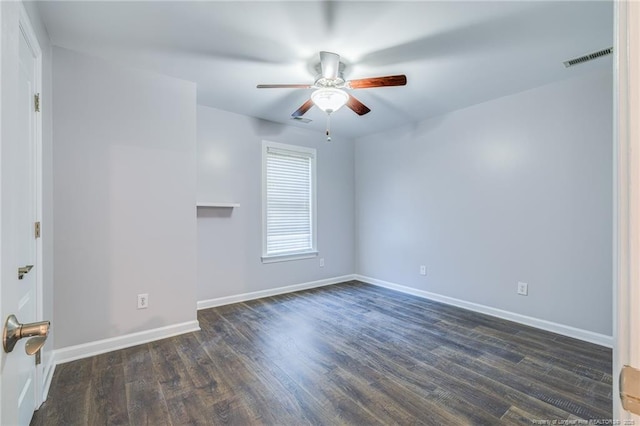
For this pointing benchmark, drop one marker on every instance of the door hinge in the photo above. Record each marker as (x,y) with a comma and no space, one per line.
(36,229)
(630,389)
(36,102)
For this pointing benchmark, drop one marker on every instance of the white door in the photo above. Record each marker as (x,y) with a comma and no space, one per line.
(18,249)
(626,349)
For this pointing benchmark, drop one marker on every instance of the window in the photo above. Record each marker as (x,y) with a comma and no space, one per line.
(289,202)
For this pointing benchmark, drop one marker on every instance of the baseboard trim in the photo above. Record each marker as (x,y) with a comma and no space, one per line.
(49,369)
(228,300)
(565,330)
(72,353)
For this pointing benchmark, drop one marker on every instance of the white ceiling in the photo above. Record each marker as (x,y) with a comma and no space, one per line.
(454,54)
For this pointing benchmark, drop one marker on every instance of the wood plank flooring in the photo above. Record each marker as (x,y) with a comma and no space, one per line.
(344,354)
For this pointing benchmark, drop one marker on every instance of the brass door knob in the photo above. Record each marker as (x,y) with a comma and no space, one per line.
(14,331)
(34,344)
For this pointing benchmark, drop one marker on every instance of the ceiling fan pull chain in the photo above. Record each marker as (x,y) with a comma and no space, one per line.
(328,127)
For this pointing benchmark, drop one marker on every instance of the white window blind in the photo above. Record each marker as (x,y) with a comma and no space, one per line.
(289,200)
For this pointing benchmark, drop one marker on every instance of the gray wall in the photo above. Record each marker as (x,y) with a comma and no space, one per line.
(230,241)
(124,171)
(515,189)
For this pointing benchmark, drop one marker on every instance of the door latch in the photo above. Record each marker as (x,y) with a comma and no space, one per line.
(24,270)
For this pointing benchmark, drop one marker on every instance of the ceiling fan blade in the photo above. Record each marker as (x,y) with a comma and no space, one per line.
(330,63)
(284,86)
(357,106)
(366,83)
(303,109)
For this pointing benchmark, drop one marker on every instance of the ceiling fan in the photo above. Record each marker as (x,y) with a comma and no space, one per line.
(330,95)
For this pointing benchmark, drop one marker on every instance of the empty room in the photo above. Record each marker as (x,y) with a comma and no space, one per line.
(319,212)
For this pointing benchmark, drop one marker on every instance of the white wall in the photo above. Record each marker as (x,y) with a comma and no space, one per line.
(124,193)
(230,241)
(515,189)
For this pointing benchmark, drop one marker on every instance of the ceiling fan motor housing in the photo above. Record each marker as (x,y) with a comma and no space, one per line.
(321,81)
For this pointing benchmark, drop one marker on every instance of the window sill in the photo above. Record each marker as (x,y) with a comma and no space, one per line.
(288,257)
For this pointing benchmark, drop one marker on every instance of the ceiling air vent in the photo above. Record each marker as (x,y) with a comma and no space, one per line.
(301,119)
(589,57)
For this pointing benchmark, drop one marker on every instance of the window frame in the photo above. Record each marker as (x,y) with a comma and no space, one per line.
(300,254)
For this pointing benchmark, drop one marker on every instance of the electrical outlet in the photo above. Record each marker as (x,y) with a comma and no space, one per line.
(143,301)
(423,270)
(523,288)
(322,262)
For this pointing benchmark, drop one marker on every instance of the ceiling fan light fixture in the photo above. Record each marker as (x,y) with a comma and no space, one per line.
(329,99)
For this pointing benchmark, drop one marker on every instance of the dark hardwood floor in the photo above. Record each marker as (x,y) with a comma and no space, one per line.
(344,354)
